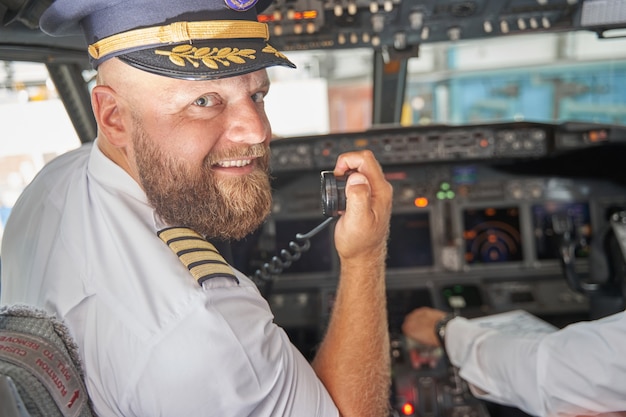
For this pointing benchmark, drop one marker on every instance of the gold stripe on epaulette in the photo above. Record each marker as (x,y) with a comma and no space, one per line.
(177,232)
(199,256)
(203,272)
(179,32)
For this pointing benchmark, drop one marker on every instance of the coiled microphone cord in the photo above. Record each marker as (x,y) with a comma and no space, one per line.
(269,270)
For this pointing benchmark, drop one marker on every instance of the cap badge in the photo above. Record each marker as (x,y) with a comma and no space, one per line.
(240,5)
(210,57)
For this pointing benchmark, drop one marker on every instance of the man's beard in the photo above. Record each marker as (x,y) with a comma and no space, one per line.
(225,207)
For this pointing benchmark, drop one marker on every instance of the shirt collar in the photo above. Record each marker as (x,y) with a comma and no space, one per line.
(112,176)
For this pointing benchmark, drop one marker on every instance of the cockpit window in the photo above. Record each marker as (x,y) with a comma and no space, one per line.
(35,128)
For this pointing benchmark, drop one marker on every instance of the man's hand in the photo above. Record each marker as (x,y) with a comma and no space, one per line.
(361,232)
(419,325)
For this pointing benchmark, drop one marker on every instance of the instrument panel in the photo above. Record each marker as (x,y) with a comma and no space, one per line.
(400,26)
(470,231)
(477,232)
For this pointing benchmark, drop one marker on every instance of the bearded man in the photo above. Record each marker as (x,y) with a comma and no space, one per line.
(112,237)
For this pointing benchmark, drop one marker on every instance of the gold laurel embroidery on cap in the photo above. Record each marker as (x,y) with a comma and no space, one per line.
(210,57)
(199,256)
(269,49)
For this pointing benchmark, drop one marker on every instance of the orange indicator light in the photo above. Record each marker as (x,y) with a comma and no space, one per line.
(421,202)
(361,143)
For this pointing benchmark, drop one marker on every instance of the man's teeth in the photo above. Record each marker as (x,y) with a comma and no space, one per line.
(237,163)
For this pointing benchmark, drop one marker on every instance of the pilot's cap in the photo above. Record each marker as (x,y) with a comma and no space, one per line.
(186,39)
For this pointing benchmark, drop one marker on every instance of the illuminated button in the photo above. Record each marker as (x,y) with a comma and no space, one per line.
(533,23)
(487,26)
(421,202)
(408,409)
(504,26)
(521,24)
(352,9)
(373,7)
(338,10)
(425,33)
(361,143)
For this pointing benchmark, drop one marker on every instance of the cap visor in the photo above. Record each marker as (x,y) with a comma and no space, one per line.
(207,59)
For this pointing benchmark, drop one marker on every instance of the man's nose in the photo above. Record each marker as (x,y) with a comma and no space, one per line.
(247,123)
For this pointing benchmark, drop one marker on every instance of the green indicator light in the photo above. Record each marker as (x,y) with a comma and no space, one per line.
(450,194)
(445,186)
(441,195)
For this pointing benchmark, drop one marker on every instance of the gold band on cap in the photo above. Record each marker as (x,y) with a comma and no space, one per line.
(178,32)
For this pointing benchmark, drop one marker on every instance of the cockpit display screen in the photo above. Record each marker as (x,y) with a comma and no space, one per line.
(492,235)
(573,216)
(409,243)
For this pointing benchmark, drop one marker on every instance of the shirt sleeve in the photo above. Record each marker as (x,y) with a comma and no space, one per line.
(577,370)
(228,358)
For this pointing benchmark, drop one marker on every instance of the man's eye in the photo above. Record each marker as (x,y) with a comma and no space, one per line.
(258,97)
(206,101)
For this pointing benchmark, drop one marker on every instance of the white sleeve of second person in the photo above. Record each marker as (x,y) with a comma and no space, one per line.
(579,369)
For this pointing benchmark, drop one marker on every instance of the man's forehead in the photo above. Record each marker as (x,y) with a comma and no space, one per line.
(250,81)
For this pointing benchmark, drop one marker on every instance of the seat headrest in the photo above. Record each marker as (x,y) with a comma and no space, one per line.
(41,359)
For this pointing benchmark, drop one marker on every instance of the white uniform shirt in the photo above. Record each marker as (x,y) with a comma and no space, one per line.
(81,242)
(578,370)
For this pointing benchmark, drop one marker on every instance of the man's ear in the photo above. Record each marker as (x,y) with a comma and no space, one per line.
(109,113)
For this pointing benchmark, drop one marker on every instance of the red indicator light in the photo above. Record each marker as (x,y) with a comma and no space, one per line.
(305,15)
(408,409)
